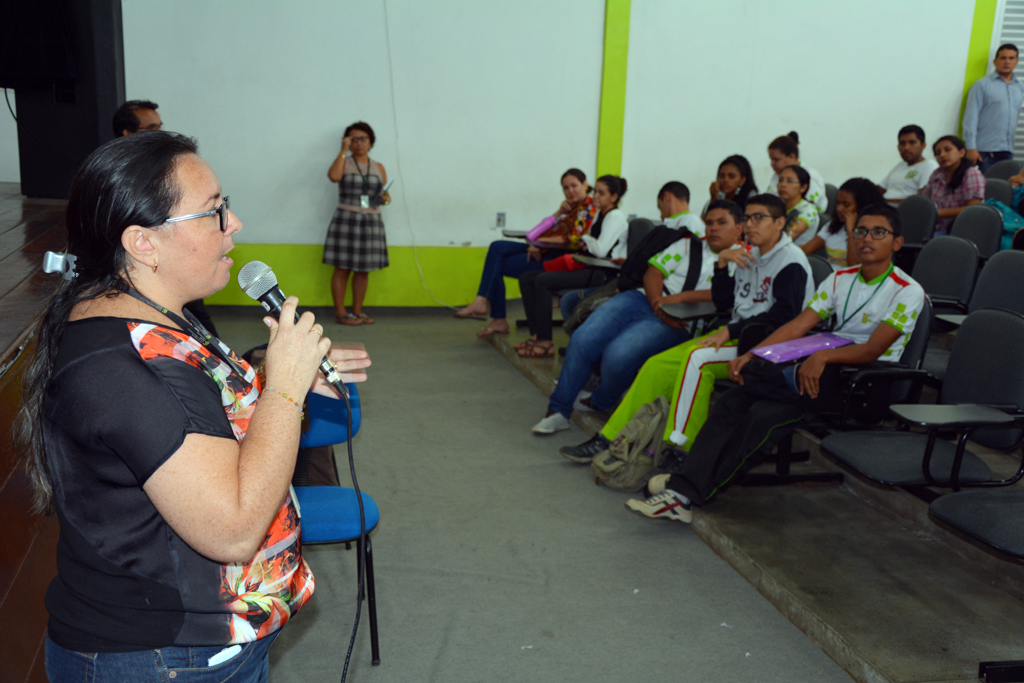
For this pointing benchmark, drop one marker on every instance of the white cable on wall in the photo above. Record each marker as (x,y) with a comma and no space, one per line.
(398,163)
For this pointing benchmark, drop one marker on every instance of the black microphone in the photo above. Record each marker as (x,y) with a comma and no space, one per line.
(258,281)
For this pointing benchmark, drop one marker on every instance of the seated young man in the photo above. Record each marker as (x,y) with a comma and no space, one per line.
(771,285)
(876,307)
(912,173)
(630,328)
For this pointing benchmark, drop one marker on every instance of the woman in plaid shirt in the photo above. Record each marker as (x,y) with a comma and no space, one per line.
(955,184)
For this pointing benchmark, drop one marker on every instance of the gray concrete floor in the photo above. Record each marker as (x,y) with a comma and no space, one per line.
(496,559)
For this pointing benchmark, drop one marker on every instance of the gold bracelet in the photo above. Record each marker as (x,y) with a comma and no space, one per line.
(302,413)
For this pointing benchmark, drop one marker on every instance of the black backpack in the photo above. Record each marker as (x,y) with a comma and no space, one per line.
(658,240)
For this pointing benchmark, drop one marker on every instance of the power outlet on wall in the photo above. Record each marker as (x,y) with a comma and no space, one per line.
(501,219)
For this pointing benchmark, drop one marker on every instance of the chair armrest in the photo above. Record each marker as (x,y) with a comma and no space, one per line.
(692,311)
(952,319)
(893,371)
(949,301)
(514,234)
(595,262)
(951,416)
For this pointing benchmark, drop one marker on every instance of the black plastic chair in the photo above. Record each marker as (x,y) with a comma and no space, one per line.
(985,378)
(982,225)
(1000,190)
(946,268)
(918,214)
(831,192)
(1000,285)
(1004,170)
(820,268)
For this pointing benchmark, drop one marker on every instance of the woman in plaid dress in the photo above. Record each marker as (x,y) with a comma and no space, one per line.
(355,239)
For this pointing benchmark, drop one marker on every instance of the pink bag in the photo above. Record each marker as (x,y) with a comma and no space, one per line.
(799,348)
(542,228)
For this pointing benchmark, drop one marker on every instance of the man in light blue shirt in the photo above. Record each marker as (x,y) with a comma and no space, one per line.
(993,105)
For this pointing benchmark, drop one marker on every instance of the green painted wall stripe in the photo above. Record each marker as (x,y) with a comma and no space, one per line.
(977,52)
(453,273)
(613,87)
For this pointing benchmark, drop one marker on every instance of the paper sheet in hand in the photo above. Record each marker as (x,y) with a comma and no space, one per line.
(799,348)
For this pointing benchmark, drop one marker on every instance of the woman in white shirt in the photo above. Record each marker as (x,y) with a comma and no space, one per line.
(855,195)
(785,151)
(802,217)
(607,239)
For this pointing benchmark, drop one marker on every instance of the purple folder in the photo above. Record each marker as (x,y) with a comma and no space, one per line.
(799,348)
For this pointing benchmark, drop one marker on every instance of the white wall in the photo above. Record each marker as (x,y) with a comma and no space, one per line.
(492,100)
(706,80)
(10,172)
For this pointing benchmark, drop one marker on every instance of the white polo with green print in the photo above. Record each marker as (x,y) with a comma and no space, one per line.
(892,298)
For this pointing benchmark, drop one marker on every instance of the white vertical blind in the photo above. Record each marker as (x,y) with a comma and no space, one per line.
(1012,31)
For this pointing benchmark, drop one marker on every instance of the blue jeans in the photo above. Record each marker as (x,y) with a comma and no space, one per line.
(180,664)
(989,158)
(571,299)
(504,259)
(620,335)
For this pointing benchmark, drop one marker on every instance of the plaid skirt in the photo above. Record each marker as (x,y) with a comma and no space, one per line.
(356,241)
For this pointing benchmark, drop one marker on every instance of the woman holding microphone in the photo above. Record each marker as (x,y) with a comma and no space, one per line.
(165,456)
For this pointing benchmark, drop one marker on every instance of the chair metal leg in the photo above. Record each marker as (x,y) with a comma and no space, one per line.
(371,604)
(782,475)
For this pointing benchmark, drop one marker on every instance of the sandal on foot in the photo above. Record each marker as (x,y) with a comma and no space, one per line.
(365,319)
(351,320)
(470,316)
(538,350)
(524,344)
(488,331)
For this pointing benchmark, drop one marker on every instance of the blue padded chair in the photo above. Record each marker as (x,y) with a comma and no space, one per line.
(330,514)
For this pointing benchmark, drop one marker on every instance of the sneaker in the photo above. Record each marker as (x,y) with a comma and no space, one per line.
(552,422)
(665,505)
(585,452)
(582,403)
(657,484)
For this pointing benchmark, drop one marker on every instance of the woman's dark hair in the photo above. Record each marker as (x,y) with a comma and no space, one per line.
(363,126)
(128,181)
(615,185)
(577,174)
(802,177)
(788,144)
(965,162)
(749,187)
(865,193)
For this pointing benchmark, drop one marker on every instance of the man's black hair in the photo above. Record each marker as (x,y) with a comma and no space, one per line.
(912,128)
(887,212)
(1007,46)
(676,189)
(776,207)
(125,118)
(730,206)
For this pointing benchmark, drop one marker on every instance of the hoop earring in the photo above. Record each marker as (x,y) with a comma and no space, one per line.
(154,266)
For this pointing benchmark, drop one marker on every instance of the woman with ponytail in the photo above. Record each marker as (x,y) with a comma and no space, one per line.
(165,456)
(784,151)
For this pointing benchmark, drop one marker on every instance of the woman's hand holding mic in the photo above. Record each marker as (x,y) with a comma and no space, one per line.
(294,351)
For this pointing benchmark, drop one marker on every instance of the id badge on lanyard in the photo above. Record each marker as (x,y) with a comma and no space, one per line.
(364,201)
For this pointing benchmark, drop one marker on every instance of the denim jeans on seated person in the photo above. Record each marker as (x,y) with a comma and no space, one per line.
(251,664)
(620,336)
(571,299)
(504,259)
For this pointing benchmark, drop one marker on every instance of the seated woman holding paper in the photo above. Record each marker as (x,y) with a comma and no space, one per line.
(876,306)
(507,258)
(607,239)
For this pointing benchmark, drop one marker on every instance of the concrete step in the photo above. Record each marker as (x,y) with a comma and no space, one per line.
(861,569)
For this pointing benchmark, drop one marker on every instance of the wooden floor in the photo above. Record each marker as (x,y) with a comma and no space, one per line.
(28,228)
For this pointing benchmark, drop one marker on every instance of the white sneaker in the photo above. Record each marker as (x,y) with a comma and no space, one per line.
(553,422)
(657,483)
(578,403)
(665,505)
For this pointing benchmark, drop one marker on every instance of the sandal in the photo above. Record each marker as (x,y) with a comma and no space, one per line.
(351,320)
(470,316)
(365,319)
(488,332)
(539,350)
(525,344)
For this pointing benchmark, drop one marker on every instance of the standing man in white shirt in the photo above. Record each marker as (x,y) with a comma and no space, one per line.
(913,172)
(993,106)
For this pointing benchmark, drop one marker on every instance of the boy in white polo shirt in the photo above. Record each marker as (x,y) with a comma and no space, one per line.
(913,172)
(876,306)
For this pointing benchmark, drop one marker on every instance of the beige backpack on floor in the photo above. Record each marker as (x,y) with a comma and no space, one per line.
(636,452)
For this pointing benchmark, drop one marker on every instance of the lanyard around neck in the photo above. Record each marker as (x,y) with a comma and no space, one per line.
(881,282)
(191,326)
(365,176)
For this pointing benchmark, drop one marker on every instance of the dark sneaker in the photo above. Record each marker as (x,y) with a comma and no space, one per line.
(586,451)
